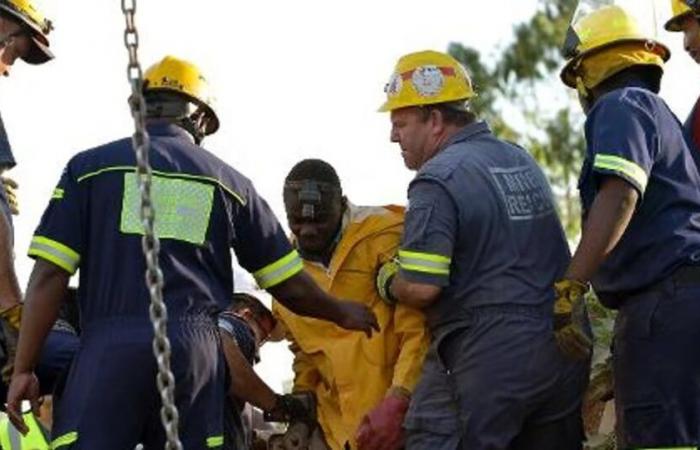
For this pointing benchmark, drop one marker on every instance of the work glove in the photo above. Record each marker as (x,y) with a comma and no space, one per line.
(10,318)
(10,186)
(571,319)
(385,275)
(299,407)
(381,428)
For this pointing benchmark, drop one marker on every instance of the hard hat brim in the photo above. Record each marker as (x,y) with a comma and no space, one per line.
(568,73)
(39,52)
(674,23)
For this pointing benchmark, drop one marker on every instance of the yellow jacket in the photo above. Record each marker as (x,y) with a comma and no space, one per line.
(349,373)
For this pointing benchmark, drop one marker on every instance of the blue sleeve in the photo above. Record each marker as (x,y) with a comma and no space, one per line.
(429,234)
(261,245)
(623,138)
(59,238)
(240,332)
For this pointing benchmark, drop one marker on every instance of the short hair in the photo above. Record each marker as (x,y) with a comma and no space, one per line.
(314,169)
(241,300)
(450,114)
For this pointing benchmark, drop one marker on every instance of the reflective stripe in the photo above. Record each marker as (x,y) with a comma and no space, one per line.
(66,439)
(57,193)
(55,252)
(424,262)
(215,441)
(185,176)
(623,166)
(15,437)
(279,271)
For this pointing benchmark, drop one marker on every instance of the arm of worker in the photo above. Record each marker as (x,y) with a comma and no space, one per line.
(263,249)
(245,383)
(10,294)
(47,288)
(607,221)
(301,295)
(428,241)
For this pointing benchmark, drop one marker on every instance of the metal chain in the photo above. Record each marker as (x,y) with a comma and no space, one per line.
(150,243)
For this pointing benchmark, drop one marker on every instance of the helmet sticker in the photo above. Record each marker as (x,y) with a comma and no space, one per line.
(393,87)
(428,80)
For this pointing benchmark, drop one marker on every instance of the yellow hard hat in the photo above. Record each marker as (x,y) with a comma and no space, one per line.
(25,12)
(605,27)
(680,10)
(426,78)
(172,74)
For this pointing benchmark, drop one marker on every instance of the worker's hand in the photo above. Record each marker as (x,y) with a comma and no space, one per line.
(11,187)
(24,386)
(381,428)
(291,408)
(570,319)
(385,276)
(354,316)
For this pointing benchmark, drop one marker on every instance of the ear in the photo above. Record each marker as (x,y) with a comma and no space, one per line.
(437,120)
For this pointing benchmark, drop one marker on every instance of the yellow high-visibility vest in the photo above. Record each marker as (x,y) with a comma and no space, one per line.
(11,439)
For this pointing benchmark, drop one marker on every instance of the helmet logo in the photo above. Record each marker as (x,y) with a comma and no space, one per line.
(394,85)
(428,80)
(171,83)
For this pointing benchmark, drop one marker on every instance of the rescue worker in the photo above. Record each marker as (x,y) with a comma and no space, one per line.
(481,247)
(640,243)
(686,20)
(362,386)
(204,209)
(23,34)
(244,327)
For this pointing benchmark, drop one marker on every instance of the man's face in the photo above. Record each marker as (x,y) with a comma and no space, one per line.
(17,45)
(315,232)
(691,36)
(415,136)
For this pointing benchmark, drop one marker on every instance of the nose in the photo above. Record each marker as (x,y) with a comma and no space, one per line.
(307,231)
(394,135)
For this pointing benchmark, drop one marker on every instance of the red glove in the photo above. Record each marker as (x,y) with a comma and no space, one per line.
(381,428)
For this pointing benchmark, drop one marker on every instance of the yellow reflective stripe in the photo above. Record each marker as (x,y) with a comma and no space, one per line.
(215,441)
(65,439)
(424,262)
(233,194)
(57,193)
(279,271)
(55,252)
(625,167)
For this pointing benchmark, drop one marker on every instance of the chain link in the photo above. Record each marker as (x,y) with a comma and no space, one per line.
(150,243)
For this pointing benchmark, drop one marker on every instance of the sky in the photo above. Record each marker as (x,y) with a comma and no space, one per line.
(293,79)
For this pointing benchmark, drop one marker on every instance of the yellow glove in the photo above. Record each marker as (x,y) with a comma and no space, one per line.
(385,275)
(11,187)
(570,319)
(12,315)
(10,319)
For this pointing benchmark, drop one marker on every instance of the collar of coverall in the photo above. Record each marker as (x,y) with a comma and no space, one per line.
(467,132)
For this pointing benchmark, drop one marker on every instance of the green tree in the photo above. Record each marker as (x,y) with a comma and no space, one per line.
(511,84)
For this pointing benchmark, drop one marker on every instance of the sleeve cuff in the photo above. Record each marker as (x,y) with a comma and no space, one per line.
(628,170)
(53,251)
(425,267)
(279,271)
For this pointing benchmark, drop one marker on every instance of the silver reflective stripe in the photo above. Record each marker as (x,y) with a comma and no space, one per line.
(423,263)
(15,437)
(68,262)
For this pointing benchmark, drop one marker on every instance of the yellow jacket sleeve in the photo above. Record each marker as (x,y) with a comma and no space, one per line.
(409,326)
(306,375)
